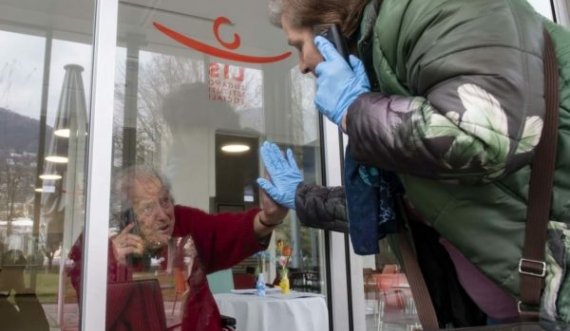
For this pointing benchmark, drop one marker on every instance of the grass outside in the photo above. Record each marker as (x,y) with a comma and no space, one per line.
(46,286)
(47,283)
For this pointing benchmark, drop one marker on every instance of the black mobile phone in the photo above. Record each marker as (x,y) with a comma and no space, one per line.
(332,33)
(127,218)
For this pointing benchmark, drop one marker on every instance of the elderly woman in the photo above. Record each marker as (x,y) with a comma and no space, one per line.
(449,96)
(200,243)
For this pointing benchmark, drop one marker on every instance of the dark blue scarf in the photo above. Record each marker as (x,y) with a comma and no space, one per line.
(370,200)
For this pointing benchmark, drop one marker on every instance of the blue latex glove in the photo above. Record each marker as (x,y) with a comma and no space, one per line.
(284,173)
(338,83)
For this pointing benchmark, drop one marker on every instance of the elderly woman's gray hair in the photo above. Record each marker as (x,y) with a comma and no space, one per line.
(123,184)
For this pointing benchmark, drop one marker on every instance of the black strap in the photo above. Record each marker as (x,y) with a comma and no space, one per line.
(532,267)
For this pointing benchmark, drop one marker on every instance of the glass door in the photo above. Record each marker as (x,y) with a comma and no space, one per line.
(45,81)
(199,87)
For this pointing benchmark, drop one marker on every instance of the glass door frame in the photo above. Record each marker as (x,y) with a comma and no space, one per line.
(336,250)
(94,278)
(561,11)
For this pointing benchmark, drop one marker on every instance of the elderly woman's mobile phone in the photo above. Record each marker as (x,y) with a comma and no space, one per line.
(332,33)
(128,217)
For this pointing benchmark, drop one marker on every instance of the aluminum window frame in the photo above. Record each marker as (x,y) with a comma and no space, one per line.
(95,250)
(339,289)
(561,11)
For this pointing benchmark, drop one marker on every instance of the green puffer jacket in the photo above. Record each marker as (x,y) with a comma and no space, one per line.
(456,110)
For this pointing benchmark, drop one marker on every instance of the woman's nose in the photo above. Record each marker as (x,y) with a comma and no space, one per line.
(161,212)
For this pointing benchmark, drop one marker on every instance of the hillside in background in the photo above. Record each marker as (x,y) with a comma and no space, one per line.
(19,133)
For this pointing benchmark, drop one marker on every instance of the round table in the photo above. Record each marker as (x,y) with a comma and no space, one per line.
(275,312)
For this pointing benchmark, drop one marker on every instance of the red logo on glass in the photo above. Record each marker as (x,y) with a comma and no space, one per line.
(218,52)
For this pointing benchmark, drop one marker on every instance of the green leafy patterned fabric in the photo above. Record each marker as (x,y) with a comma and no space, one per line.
(479,134)
(459,90)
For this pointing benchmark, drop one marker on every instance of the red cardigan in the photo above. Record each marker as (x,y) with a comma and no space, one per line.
(222,240)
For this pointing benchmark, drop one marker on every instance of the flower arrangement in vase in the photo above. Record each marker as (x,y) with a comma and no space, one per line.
(285,252)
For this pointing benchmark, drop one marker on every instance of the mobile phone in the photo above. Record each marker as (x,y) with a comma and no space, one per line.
(129,217)
(332,33)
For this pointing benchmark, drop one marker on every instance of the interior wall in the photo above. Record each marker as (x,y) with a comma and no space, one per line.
(189,160)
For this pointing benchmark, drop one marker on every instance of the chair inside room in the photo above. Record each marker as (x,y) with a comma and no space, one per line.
(305,280)
(390,289)
(135,305)
(391,269)
(138,305)
(391,285)
(244,280)
(371,296)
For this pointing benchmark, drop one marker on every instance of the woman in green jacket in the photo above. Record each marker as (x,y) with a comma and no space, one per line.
(449,95)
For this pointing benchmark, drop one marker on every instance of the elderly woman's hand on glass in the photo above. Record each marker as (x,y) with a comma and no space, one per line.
(272,212)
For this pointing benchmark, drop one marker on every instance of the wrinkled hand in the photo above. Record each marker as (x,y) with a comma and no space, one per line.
(284,173)
(272,212)
(126,243)
(338,85)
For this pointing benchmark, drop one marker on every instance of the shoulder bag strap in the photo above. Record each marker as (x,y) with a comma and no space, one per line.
(422,298)
(532,267)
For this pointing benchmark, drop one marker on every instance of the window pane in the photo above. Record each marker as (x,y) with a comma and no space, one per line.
(388,299)
(192,80)
(542,7)
(45,78)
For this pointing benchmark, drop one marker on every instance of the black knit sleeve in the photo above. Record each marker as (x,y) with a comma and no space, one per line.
(322,207)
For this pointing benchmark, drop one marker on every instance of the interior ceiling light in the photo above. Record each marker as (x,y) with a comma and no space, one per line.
(46,189)
(57,159)
(235,148)
(62,133)
(50,176)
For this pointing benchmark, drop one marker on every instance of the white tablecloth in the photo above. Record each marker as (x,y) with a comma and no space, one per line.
(275,312)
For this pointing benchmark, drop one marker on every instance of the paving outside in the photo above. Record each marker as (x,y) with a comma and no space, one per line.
(71,316)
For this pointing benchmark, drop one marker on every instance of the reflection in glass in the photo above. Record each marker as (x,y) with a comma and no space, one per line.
(176,107)
(34,223)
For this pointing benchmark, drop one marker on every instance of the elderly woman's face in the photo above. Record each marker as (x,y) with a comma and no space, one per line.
(302,39)
(154,211)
